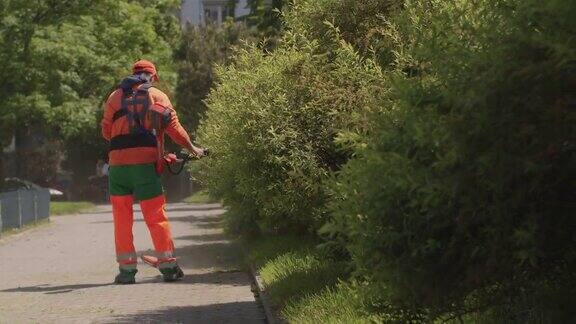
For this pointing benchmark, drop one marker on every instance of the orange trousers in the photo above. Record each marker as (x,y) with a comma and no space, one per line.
(155,216)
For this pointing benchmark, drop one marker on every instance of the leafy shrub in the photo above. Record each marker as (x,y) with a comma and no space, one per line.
(272,122)
(436,137)
(464,192)
(358,21)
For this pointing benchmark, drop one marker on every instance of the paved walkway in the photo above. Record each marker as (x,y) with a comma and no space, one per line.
(63,272)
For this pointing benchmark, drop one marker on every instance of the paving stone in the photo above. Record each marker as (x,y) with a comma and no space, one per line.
(62,273)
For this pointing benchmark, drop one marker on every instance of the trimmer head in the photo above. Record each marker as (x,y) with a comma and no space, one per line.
(150,260)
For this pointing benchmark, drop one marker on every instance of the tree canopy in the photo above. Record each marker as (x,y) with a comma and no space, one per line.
(61,58)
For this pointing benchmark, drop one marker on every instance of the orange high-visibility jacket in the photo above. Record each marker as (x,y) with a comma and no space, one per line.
(116,126)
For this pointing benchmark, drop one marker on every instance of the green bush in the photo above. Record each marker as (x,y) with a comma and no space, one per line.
(463,196)
(358,21)
(434,140)
(272,123)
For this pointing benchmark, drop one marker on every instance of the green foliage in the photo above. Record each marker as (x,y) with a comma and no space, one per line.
(291,267)
(266,16)
(292,273)
(64,57)
(200,197)
(263,249)
(99,57)
(272,122)
(200,50)
(461,198)
(69,208)
(18,26)
(345,302)
(307,286)
(434,140)
(358,22)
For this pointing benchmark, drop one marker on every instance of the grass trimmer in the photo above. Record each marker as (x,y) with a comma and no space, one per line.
(150,260)
(169,160)
(169,274)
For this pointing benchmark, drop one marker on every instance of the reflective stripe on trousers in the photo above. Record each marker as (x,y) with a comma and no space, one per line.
(127,261)
(127,257)
(158,226)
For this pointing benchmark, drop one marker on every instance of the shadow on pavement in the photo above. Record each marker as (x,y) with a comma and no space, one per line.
(233,277)
(48,289)
(199,218)
(228,278)
(214,255)
(99,212)
(201,207)
(169,208)
(200,221)
(215,237)
(204,225)
(236,312)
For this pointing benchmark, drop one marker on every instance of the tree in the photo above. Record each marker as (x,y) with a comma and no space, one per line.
(65,59)
(201,48)
(265,16)
(21,20)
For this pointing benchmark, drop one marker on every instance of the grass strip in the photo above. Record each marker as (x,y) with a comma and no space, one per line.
(69,207)
(305,285)
(200,197)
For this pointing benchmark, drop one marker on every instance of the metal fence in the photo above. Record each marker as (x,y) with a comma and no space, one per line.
(18,208)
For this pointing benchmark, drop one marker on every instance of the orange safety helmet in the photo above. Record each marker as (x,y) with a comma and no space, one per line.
(145,66)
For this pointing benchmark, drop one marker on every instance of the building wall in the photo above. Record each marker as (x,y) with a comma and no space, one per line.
(242,8)
(193,11)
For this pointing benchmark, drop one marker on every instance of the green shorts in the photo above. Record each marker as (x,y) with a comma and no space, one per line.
(140,180)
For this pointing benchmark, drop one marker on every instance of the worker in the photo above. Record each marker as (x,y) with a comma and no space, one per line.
(136,117)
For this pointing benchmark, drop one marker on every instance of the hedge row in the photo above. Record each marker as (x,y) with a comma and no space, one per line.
(272,122)
(433,140)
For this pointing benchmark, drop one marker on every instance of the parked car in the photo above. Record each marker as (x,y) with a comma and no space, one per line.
(13,184)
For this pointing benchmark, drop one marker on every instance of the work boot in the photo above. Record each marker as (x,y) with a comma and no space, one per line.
(172,274)
(126,277)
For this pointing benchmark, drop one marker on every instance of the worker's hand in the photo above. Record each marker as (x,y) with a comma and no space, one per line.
(171,158)
(196,151)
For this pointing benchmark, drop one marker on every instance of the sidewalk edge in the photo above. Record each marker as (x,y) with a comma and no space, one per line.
(260,289)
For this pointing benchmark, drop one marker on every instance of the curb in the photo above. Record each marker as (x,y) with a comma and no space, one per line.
(259,290)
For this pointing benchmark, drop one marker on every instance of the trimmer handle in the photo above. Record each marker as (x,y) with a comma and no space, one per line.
(190,157)
(185,157)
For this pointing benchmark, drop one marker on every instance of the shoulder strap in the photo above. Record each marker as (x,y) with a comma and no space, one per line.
(123,111)
(131,97)
(119,113)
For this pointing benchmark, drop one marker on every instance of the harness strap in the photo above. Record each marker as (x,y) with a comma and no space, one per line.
(145,139)
(136,118)
(119,114)
(139,97)
(138,135)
